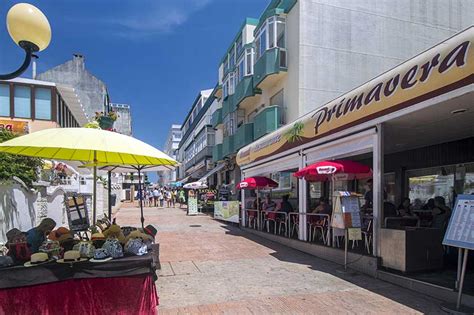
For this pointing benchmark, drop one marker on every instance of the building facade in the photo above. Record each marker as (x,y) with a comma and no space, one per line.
(123,124)
(171,149)
(198,138)
(301,54)
(92,92)
(28,105)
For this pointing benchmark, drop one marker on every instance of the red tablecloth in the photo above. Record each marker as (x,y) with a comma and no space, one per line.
(118,295)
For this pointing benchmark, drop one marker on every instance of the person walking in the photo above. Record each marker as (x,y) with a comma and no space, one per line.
(182,198)
(173,197)
(168,198)
(161,197)
(156,195)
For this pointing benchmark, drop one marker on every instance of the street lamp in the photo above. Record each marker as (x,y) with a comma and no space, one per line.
(29,28)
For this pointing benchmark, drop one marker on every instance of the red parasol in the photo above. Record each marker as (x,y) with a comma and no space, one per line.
(257,182)
(338,169)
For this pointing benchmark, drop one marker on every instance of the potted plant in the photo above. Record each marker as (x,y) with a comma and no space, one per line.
(106,121)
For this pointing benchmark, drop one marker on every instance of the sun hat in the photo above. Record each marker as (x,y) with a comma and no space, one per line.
(85,249)
(37,259)
(150,230)
(97,236)
(56,234)
(52,248)
(100,255)
(136,246)
(113,247)
(5,261)
(70,257)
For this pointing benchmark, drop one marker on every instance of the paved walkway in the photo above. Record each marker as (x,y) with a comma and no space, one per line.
(209,267)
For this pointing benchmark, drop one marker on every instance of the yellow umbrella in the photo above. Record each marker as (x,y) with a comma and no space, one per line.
(87,145)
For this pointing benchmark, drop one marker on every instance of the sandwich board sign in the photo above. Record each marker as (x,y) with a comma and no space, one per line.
(346,214)
(460,231)
(460,234)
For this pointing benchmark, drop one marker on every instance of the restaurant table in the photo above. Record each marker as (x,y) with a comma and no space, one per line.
(124,285)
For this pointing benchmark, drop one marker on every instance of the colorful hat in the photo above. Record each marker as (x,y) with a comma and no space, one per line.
(85,249)
(150,230)
(52,248)
(100,255)
(97,237)
(113,247)
(70,257)
(56,234)
(37,259)
(136,246)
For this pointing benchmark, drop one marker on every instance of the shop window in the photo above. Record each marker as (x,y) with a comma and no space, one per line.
(43,103)
(4,100)
(22,102)
(428,183)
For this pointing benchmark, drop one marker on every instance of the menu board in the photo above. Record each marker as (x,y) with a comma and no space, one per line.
(346,212)
(192,205)
(460,231)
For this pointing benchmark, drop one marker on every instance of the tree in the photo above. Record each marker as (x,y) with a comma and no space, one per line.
(23,167)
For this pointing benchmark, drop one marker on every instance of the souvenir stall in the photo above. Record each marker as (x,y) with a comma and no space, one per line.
(92,266)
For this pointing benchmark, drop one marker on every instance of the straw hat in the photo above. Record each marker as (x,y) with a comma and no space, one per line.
(97,237)
(37,259)
(101,255)
(70,257)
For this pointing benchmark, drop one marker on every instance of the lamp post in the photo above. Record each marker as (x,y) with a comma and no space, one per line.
(29,28)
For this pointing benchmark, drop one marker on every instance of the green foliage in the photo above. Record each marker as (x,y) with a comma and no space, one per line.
(93,125)
(23,167)
(294,134)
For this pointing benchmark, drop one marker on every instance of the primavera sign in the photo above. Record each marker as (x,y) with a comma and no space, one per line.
(443,68)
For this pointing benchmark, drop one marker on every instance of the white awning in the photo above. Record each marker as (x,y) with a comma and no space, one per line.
(212,172)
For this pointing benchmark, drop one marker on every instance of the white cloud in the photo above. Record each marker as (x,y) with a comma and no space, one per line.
(151,18)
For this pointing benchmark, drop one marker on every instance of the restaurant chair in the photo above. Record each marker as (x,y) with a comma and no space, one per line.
(319,226)
(367,234)
(282,222)
(271,216)
(252,218)
(294,224)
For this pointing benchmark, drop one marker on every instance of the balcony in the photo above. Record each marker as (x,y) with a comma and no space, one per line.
(217,152)
(228,105)
(267,121)
(273,61)
(216,119)
(245,89)
(228,146)
(243,136)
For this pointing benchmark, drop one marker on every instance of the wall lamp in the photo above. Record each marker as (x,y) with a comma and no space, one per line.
(29,28)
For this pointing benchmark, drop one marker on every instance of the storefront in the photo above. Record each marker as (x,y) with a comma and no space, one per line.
(412,125)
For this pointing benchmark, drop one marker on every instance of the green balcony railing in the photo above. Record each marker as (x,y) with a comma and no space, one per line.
(267,121)
(217,152)
(243,136)
(216,118)
(244,89)
(228,105)
(272,61)
(228,146)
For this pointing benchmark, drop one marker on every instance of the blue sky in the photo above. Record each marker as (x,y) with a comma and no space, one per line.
(153,54)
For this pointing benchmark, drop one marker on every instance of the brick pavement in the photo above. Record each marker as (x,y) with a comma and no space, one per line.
(209,267)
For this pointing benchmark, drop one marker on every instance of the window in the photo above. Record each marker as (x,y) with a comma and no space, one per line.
(4,100)
(271,33)
(239,45)
(232,58)
(249,61)
(277,98)
(22,102)
(431,182)
(241,69)
(43,103)
(231,83)
(275,29)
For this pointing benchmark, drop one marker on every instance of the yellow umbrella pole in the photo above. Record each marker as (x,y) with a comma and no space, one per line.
(94,201)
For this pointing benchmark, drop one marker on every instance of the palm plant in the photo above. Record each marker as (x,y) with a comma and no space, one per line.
(294,133)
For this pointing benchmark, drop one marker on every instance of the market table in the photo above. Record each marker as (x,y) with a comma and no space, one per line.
(125,286)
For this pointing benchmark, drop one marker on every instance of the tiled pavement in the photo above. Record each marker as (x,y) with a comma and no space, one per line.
(209,267)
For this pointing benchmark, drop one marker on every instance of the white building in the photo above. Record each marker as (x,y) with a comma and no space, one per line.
(301,54)
(171,149)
